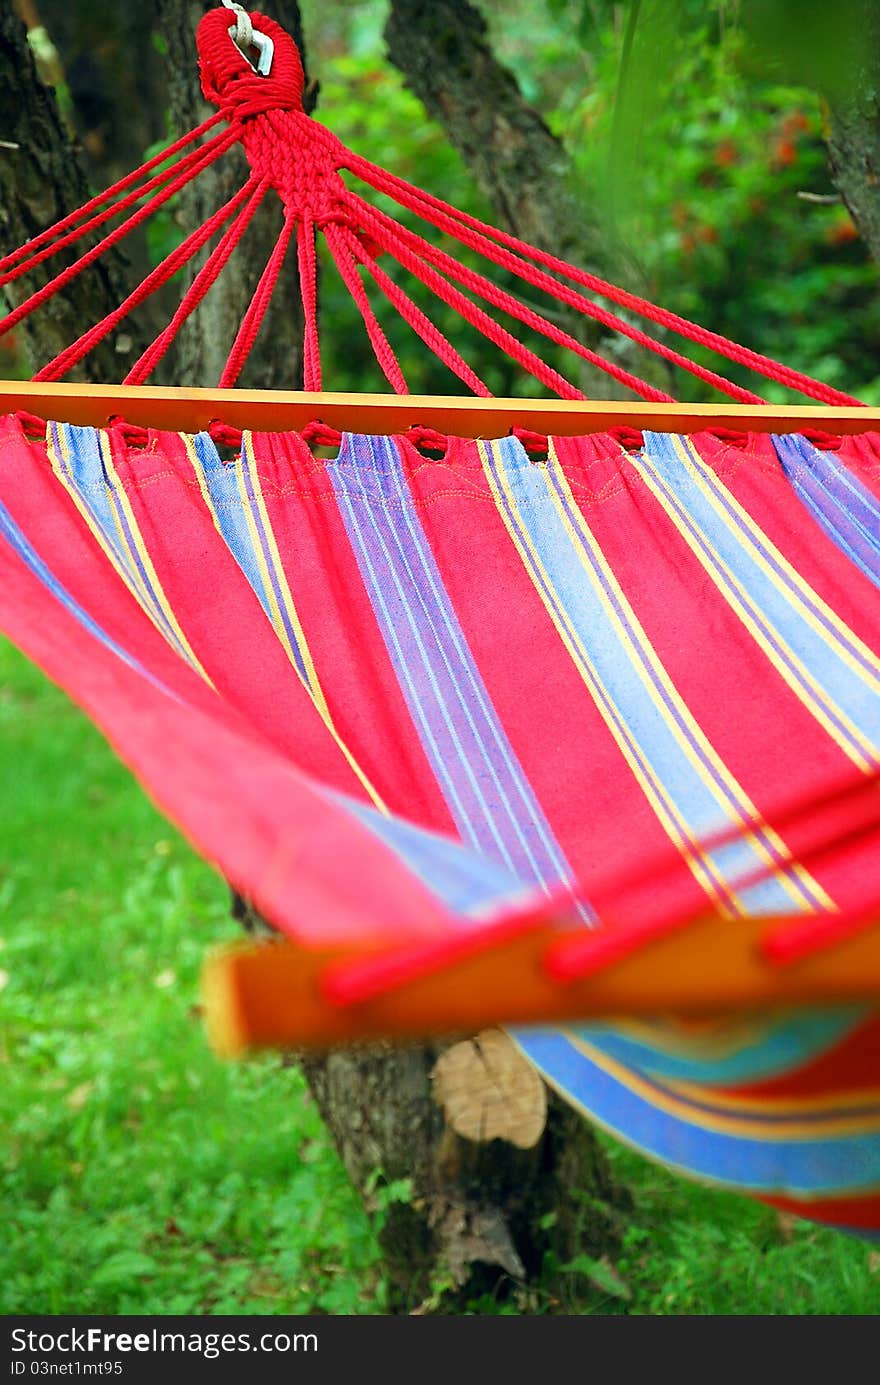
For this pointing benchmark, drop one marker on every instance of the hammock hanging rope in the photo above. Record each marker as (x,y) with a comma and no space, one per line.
(301,161)
(552,728)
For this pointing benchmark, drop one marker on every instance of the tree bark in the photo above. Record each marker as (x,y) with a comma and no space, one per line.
(520,166)
(443,52)
(41,180)
(853,138)
(114,74)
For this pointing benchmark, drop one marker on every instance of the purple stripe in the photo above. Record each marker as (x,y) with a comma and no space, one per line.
(845,509)
(804,594)
(736,809)
(829,711)
(476,768)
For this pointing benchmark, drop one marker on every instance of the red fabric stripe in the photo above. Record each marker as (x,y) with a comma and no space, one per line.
(853,1213)
(349,653)
(241,803)
(853,1065)
(568,754)
(861,454)
(218,610)
(737,694)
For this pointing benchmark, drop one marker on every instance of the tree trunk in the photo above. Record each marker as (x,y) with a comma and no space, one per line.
(41,179)
(114,74)
(522,169)
(853,138)
(464,1217)
(475,1215)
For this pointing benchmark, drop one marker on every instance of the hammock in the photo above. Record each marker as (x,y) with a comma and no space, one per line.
(577,729)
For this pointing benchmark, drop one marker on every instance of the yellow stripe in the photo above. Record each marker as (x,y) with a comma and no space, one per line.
(257,550)
(119,498)
(741,802)
(249,461)
(720,1124)
(312,684)
(62,469)
(803,597)
(703,868)
(782,1106)
(813,696)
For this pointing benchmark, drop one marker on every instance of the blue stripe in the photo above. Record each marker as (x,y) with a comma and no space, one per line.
(222,485)
(777,1046)
(837,500)
(622,693)
(491,801)
(466,883)
(32,560)
(84,469)
(798,1166)
(771,602)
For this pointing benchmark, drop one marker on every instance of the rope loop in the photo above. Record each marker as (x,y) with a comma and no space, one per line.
(230,82)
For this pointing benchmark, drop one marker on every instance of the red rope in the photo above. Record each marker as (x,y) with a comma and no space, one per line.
(308,287)
(67,276)
(74,353)
(413,315)
(563,294)
(396,246)
(253,319)
(350,277)
(302,160)
(59,227)
(109,212)
(207,276)
(416,199)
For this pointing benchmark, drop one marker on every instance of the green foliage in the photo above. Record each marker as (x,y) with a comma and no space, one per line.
(138,1174)
(690,151)
(698,164)
(807,41)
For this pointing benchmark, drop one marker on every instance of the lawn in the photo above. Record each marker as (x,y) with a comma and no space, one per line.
(141,1175)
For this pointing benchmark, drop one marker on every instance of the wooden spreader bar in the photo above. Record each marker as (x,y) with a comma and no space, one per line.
(192,410)
(274,994)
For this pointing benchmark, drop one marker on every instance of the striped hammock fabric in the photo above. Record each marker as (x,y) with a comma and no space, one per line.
(391,697)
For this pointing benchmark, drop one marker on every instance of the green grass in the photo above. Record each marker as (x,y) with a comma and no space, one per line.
(141,1175)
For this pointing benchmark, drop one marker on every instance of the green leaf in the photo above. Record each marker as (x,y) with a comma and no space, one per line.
(601,1274)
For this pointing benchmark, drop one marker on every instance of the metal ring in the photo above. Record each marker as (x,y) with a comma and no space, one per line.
(245,37)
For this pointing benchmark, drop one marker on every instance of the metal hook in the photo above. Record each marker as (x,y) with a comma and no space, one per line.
(245,37)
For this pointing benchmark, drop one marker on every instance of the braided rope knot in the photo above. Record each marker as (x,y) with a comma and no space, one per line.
(230,83)
(300,159)
(286,149)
